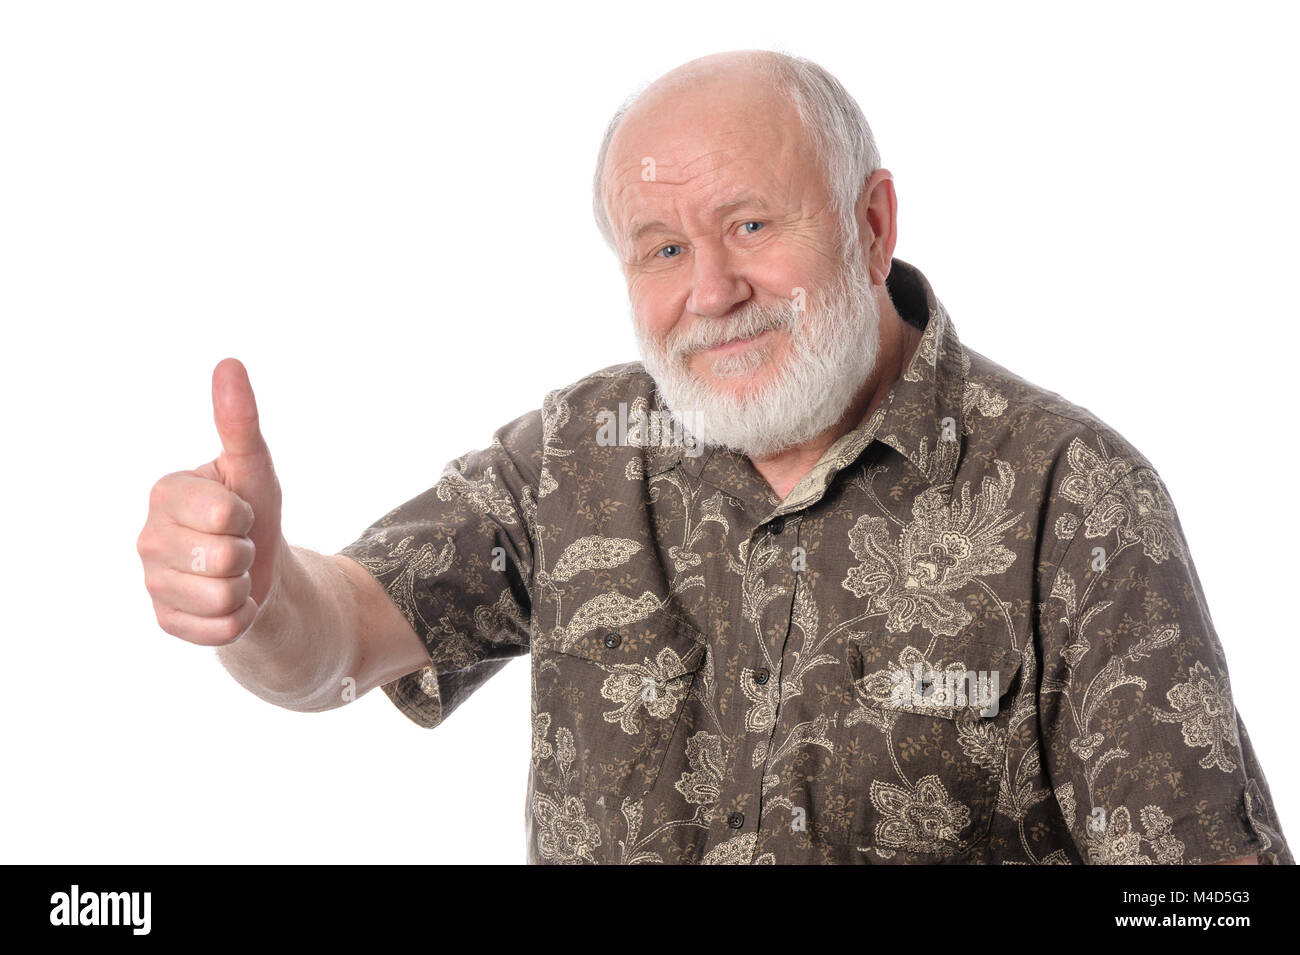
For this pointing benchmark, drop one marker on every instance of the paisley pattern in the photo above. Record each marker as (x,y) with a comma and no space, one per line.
(973,633)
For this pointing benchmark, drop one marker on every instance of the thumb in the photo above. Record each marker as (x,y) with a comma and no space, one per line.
(235,411)
(244,466)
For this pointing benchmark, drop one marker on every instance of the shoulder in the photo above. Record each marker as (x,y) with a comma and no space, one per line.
(595,391)
(1007,414)
(1082,477)
(599,410)
(597,428)
(567,410)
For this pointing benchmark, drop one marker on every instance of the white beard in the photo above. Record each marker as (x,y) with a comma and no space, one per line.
(832,351)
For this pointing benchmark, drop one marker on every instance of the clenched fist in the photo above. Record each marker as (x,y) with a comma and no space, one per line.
(211,545)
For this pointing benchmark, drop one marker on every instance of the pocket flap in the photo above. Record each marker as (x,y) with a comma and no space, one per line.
(664,646)
(948,677)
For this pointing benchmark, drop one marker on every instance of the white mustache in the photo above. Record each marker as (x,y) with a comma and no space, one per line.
(710,333)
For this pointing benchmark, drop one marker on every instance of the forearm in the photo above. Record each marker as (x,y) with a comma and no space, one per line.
(305,642)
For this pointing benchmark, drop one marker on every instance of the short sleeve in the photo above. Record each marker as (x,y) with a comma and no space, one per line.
(1146,752)
(457,561)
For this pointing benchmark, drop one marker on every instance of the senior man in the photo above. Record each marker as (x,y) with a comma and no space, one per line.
(813,582)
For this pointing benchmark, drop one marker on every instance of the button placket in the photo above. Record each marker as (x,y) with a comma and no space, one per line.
(741,800)
(781,575)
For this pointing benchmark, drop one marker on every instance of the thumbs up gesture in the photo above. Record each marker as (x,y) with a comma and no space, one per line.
(211,545)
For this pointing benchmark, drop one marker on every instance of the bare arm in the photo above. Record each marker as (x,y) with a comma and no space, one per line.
(327,633)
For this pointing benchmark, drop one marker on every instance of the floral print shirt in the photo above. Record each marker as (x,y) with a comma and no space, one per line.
(973,633)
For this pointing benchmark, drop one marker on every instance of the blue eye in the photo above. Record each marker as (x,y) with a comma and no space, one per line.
(670,256)
(748,230)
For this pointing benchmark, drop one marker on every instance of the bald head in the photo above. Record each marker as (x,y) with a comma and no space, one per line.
(738,78)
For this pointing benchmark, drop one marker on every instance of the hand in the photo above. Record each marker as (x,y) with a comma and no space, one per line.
(211,546)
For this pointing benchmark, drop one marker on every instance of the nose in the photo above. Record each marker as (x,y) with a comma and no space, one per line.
(716,284)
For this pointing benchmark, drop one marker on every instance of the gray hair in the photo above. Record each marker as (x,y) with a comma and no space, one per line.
(832,117)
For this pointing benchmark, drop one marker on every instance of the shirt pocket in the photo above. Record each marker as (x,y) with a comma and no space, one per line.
(919,754)
(620,693)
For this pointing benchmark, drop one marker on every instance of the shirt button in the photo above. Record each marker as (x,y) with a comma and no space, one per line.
(762,675)
(775,527)
(612,640)
(736,820)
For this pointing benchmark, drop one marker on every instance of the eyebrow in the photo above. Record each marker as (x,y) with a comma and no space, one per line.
(745,199)
(638,229)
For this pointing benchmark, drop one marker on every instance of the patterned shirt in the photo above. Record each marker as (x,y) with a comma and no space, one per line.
(973,633)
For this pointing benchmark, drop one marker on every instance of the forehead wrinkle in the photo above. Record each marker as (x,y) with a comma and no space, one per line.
(752,137)
(748,191)
(662,142)
(670,173)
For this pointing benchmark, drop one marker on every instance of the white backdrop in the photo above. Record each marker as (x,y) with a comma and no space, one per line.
(350,197)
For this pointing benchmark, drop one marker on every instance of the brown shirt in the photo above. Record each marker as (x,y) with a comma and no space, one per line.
(973,633)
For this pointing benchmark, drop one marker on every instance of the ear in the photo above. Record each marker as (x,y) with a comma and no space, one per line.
(876,212)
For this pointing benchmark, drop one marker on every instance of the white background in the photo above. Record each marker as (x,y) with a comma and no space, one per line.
(371,203)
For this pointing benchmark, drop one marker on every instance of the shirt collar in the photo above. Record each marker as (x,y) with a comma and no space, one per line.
(920,418)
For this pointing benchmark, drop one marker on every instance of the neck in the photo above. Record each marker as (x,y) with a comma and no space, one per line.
(898,341)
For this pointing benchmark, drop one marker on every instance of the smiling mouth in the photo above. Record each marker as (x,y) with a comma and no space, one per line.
(736,344)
